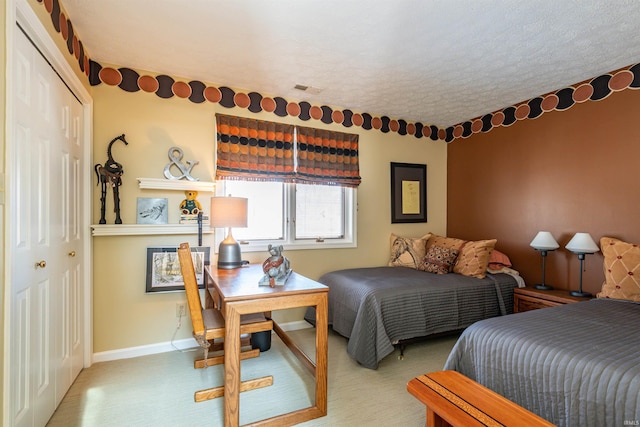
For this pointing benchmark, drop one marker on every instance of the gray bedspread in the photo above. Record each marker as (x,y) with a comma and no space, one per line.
(379,306)
(574,365)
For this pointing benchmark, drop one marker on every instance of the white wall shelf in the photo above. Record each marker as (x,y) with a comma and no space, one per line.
(180,185)
(158,229)
(146,229)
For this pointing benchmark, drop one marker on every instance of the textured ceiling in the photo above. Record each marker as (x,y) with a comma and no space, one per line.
(437,62)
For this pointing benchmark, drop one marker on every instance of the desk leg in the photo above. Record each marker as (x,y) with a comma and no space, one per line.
(322,349)
(231,367)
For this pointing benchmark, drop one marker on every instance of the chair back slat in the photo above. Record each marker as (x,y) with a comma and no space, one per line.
(191,288)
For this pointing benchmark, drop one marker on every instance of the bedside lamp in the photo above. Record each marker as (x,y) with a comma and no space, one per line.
(229,212)
(581,244)
(544,242)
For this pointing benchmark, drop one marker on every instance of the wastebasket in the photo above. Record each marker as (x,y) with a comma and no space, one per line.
(261,340)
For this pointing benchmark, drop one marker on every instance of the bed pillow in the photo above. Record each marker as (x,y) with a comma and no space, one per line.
(474,258)
(407,251)
(439,260)
(445,242)
(498,260)
(621,270)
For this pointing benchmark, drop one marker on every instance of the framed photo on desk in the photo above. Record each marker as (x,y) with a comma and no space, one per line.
(163,268)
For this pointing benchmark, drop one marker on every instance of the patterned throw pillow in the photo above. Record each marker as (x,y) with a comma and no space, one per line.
(407,251)
(445,242)
(621,270)
(474,258)
(439,260)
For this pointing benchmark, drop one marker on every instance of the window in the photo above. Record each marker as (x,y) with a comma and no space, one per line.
(300,182)
(298,216)
(319,212)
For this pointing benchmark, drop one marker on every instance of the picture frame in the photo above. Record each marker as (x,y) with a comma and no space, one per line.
(163,268)
(408,192)
(152,210)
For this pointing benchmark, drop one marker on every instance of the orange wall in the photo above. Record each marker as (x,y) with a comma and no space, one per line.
(565,172)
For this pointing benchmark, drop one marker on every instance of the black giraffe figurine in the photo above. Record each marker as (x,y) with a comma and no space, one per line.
(110,173)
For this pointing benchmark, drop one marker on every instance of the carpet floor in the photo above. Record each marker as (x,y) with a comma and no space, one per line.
(157,390)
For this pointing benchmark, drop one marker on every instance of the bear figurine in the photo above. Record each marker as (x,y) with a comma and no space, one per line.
(276,268)
(190,206)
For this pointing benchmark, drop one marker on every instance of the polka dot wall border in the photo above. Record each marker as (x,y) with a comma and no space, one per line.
(595,89)
(63,26)
(165,87)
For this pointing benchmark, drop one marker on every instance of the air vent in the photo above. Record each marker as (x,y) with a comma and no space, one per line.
(308,89)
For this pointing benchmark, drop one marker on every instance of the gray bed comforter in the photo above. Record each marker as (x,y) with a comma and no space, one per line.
(574,365)
(379,306)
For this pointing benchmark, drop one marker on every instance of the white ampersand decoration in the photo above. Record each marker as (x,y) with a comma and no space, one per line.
(175,155)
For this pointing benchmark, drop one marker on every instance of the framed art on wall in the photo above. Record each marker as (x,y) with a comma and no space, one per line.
(163,268)
(408,192)
(152,210)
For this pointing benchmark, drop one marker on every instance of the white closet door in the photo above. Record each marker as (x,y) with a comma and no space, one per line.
(68,241)
(45,285)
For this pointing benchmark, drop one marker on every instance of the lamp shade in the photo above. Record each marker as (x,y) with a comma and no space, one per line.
(228,212)
(582,243)
(544,241)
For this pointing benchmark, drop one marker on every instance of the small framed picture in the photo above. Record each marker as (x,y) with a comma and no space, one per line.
(408,192)
(163,268)
(152,211)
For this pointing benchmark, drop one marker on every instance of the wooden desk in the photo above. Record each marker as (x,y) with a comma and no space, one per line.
(239,293)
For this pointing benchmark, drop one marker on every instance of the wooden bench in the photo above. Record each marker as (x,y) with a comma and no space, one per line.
(453,399)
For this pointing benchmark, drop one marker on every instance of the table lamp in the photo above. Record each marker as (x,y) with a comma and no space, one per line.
(581,244)
(228,212)
(544,242)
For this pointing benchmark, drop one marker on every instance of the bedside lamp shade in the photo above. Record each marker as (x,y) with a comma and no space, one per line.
(544,242)
(228,212)
(581,244)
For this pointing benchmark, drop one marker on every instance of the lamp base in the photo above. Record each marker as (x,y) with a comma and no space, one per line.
(229,255)
(580,294)
(543,287)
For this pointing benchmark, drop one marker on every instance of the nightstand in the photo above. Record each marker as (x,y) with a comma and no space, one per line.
(525,299)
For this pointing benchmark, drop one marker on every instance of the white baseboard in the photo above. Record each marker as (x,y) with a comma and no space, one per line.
(163,347)
(294,326)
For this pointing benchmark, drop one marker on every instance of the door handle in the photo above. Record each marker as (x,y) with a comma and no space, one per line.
(41,264)
(72,254)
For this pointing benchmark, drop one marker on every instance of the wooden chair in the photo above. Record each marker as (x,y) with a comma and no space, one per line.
(208,325)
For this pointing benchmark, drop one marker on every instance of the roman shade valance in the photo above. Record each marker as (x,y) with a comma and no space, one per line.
(327,157)
(259,150)
(251,149)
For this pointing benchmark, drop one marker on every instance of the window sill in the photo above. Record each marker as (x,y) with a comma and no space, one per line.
(264,247)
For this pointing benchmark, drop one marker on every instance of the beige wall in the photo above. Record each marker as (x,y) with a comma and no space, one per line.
(124,316)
